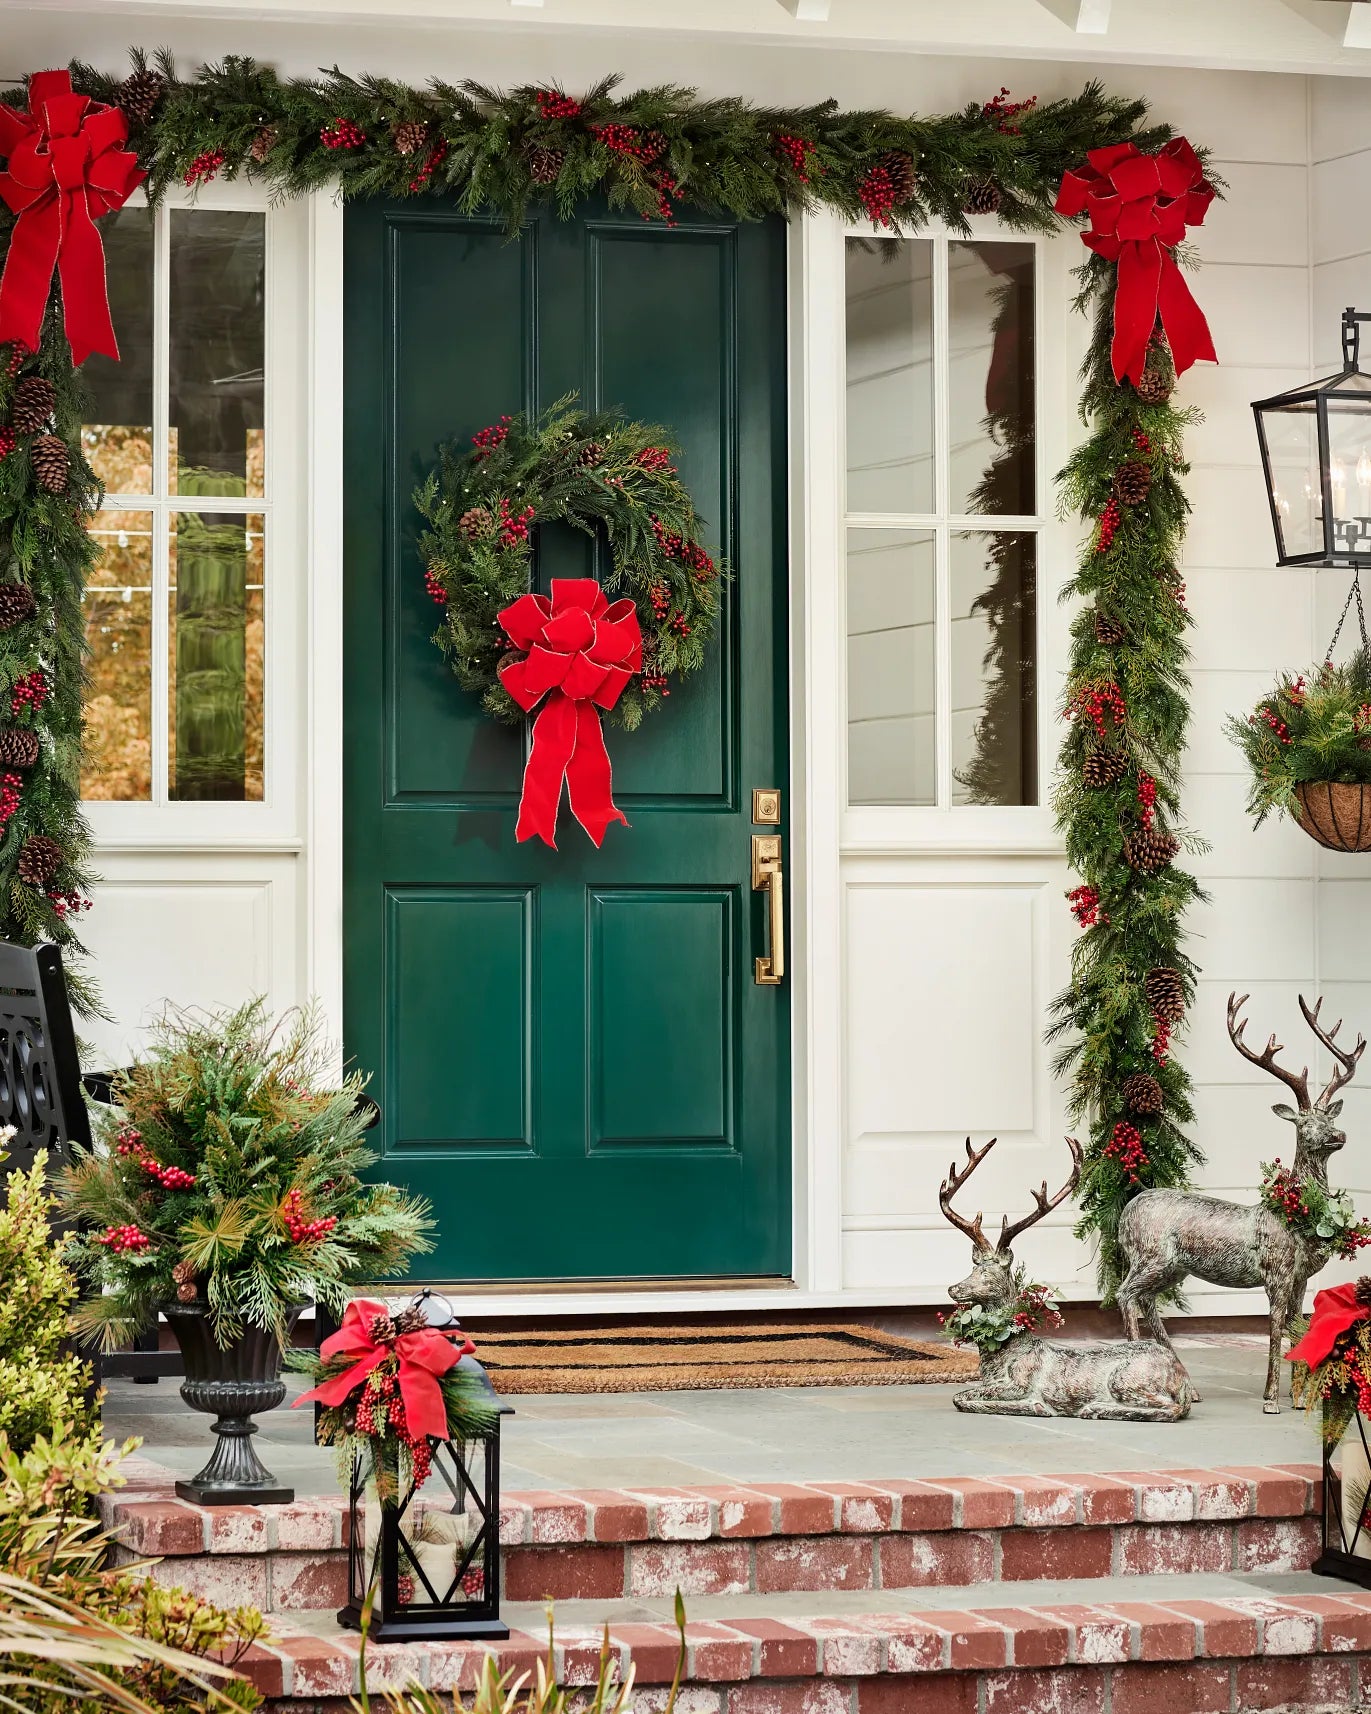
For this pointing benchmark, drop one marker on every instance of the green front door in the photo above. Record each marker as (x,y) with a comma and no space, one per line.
(574,1062)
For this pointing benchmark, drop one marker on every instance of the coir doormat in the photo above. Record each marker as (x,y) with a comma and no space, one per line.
(620,1358)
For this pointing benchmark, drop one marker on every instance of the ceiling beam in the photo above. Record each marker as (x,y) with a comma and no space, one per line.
(1347,21)
(808,11)
(1085,17)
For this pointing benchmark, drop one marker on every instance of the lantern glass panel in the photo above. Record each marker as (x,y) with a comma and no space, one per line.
(1349,463)
(1291,435)
(1347,1495)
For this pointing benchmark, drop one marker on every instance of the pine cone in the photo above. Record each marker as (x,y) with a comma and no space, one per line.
(544,165)
(1107,631)
(137,96)
(16,605)
(409,136)
(39,860)
(1148,851)
(1165,994)
(382,1329)
(51,463)
(1142,1093)
(1133,481)
(185,1292)
(411,1320)
(475,521)
(592,453)
(1154,385)
(983,197)
(34,401)
(1104,767)
(1364,1290)
(263,143)
(899,168)
(19,747)
(182,1272)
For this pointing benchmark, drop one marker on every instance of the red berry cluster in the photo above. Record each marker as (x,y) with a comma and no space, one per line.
(513,526)
(666,187)
(1033,1312)
(1085,906)
(1361,720)
(1295,693)
(437,155)
(1140,440)
(1004,111)
(474,1583)
(128,1140)
(1094,703)
(11,785)
(679,625)
(1126,1147)
(660,597)
(1147,799)
(68,904)
(435,589)
(643,146)
(6,442)
(1284,1194)
(342,134)
(1161,1039)
(169,1177)
(655,458)
(689,553)
(552,104)
(118,1239)
(1109,524)
(31,691)
(652,680)
(876,193)
(204,167)
(487,439)
(796,152)
(304,1231)
(1274,721)
(15,360)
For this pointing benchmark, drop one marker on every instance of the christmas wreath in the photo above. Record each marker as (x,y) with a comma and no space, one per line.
(612,647)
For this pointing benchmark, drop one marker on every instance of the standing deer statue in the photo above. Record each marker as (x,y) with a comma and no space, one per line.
(1031,1376)
(1167,1235)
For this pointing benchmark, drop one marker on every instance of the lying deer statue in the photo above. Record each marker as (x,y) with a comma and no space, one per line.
(1031,1376)
(1167,1235)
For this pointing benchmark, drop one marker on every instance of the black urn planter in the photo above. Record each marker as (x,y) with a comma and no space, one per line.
(233,1386)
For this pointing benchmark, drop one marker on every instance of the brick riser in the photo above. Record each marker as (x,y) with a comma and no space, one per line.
(772,1539)
(1244,1656)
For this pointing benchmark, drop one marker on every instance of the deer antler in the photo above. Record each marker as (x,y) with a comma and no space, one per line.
(953,1183)
(1266,1059)
(1348,1058)
(1043,1206)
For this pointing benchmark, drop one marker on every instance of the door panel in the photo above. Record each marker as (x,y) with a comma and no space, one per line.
(573,1060)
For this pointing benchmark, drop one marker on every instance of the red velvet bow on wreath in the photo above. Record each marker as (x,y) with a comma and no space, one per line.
(582,651)
(66,167)
(423,1356)
(1139,208)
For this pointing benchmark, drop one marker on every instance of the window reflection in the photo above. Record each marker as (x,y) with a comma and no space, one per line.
(993,602)
(889,289)
(891,650)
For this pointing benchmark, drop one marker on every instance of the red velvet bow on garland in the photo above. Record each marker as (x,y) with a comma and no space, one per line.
(1335,1310)
(66,167)
(423,1357)
(581,653)
(1139,207)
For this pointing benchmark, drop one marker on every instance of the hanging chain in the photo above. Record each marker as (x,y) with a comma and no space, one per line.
(1353,594)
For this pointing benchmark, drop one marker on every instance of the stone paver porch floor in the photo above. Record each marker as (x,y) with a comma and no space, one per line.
(627,1440)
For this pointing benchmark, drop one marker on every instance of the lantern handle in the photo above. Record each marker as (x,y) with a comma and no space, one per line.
(1351,336)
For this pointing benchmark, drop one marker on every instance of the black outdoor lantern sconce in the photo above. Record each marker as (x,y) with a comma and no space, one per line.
(431,1562)
(1346,1542)
(1316,456)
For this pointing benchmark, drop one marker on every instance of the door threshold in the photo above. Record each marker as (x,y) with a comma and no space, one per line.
(612,1283)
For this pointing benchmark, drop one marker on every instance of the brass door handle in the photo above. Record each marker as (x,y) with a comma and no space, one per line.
(768,876)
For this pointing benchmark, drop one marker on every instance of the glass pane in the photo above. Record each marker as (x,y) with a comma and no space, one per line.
(889,375)
(118,437)
(1292,444)
(990,377)
(216,658)
(1349,471)
(891,705)
(118,606)
(993,601)
(218,348)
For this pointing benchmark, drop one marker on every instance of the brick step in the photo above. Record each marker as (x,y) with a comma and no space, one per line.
(771,1539)
(1196,1648)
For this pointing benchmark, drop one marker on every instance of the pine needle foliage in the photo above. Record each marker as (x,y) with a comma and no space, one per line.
(1103,1017)
(244,1109)
(1302,731)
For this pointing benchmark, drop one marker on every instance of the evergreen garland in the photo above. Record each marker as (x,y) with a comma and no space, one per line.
(656,150)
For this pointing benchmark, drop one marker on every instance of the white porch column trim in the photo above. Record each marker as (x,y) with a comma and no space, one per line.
(324,616)
(818,730)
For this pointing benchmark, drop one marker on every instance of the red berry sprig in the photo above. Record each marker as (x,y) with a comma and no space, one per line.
(1361,720)
(552,104)
(31,691)
(1094,702)
(660,597)
(11,786)
(1004,111)
(876,193)
(204,167)
(1085,906)
(304,1231)
(487,439)
(645,146)
(666,187)
(1109,524)
(1147,799)
(1140,440)
(1274,721)
(342,133)
(1295,693)
(121,1239)
(435,589)
(1126,1147)
(680,625)
(513,527)
(655,458)
(169,1177)
(474,1583)
(6,442)
(128,1140)
(68,904)
(436,156)
(1161,1040)
(795,151)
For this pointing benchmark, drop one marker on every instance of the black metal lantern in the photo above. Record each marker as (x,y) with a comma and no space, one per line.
(1346,1549)
(431,1562)
(1316,455)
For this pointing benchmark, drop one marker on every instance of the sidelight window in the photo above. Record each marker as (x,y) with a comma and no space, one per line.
(942,505)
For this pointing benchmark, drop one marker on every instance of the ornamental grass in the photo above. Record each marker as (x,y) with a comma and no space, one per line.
(1310,728)
(228,1174)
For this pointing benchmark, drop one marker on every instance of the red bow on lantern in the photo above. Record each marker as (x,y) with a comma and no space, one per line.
(423,1357)
(1139,207)
(1335,1310)
(66,168)
(581,653)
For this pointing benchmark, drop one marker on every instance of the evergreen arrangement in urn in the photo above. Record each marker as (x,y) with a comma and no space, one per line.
(228,1174)
(1309,729)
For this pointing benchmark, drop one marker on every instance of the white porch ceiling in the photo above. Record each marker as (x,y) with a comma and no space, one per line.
(1272,35)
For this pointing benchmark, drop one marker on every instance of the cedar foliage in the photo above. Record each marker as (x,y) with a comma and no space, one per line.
(1302,732)
(1103,1016)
